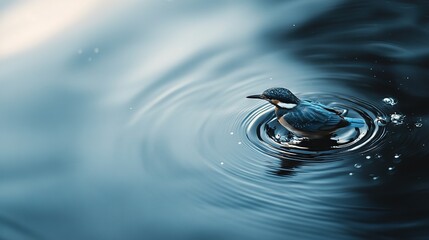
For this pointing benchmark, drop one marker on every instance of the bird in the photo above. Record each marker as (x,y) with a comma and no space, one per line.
(305,118)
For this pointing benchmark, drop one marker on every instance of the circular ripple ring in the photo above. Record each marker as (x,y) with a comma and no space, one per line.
(265,133)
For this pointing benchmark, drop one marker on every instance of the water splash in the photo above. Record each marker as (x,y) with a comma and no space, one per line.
(397,118)
(381,121)
(390,101)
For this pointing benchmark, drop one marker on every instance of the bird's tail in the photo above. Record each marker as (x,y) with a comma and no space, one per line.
(355,122)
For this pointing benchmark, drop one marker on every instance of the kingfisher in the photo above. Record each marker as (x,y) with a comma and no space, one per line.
(305,118)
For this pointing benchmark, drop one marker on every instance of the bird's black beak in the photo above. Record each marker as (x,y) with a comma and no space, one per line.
(257,96)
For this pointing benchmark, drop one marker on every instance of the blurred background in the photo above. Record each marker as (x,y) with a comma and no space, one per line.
(128,119)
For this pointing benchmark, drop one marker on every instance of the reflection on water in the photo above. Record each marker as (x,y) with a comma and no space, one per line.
(129,121)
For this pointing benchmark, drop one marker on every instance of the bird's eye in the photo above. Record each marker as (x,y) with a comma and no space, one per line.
(286,105)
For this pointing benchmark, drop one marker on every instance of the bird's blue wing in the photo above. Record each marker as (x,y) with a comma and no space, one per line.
(313,118)
(330,109)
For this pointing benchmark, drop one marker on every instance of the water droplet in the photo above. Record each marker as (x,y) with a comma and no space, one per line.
(381,121)
(221,163)
(231,133)
(351,174)
(397,158)
(239,143)
(397,118)
(283,139)
(390,101)
(418,124)
(96,50)
(368,157)
(358,165)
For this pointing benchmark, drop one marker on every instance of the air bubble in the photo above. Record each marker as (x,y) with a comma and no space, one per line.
(358,165)
(368,157)
(418,124)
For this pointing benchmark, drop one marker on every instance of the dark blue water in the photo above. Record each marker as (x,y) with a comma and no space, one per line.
(129,120)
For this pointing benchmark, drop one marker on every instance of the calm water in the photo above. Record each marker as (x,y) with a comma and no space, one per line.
(129,120)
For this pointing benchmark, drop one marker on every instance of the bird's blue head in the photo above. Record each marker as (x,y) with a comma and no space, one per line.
(279,97)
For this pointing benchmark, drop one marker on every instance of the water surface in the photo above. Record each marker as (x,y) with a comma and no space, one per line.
(129,120)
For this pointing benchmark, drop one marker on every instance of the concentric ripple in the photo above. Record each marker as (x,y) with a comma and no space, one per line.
(269,137)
